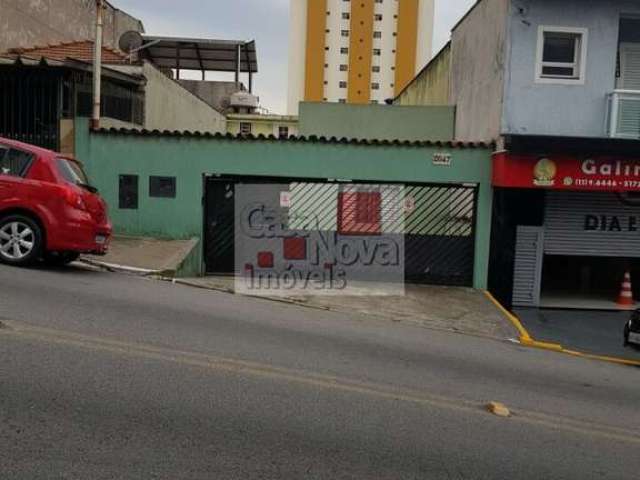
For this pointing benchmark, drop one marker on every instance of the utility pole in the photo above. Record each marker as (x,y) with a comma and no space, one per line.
(97,66)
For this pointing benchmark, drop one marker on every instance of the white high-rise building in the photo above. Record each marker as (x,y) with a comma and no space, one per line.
(356,51)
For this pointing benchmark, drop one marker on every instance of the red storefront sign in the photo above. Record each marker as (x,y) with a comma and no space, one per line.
(565,172)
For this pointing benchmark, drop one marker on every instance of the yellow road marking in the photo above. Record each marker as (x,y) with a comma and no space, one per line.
(258,370)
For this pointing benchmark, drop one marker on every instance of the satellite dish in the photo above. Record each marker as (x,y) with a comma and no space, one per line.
(130,41)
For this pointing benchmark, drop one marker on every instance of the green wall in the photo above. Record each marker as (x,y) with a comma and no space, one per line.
(108,155)
(381,122)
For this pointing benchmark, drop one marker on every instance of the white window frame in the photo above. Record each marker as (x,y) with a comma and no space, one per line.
(243,126)
(283,128)
(580,61)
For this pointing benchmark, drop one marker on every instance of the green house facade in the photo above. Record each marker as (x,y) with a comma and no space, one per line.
(155,183)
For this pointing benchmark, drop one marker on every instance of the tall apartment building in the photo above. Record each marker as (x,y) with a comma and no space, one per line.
(356,51)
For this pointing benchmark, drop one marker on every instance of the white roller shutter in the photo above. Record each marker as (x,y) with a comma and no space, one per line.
(591,224)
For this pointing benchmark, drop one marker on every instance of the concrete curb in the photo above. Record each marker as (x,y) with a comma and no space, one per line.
(527,341)
(172,267)
(114,267)
(288,300)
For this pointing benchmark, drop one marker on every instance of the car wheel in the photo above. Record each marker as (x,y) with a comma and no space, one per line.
(20,240)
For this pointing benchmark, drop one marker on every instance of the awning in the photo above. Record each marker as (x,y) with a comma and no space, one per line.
(71,64)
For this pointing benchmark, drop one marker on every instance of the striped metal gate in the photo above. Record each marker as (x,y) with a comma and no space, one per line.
(436,222)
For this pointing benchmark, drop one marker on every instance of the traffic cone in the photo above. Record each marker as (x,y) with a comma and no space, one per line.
(626,295)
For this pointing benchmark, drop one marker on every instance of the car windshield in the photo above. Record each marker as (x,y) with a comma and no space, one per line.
(73,172)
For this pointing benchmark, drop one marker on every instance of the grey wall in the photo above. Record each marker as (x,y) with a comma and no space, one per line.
(27,23)
(478,49)
(170,106)
(215,94)
(565,110)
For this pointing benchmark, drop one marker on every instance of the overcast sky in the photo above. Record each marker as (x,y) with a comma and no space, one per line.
(266,21)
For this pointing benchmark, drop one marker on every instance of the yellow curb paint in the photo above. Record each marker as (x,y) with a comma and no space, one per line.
(603,358)
(498,409)
(528,341)
(525,338)
(554,347)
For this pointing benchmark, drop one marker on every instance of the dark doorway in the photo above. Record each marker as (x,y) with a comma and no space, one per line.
(220,225)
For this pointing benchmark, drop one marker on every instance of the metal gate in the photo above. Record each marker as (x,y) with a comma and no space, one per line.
(30,103)
(437,221)
(527,277)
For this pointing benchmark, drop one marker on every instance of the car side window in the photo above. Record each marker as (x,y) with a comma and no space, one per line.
(3,152)
(14,163)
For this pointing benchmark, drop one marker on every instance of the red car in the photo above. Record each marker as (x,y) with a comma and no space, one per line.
(48,209)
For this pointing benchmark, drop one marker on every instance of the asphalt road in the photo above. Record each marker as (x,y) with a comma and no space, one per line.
(104,376)
(592,331)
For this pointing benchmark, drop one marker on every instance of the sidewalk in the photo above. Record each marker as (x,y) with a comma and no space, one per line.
(144,255)
(453,309)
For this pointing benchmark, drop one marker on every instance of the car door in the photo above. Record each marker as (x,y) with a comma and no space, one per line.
(14,166)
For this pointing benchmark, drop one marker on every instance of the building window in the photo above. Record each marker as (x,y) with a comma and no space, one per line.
(375,86)
(345,33)
(375,69)
(377,34)
(346,16)
(378,17)
(377,52)
(562,55)
(344,50)
(162,187)
(343,84)
(283,132)
(344,68)
(245,128)
(128,192)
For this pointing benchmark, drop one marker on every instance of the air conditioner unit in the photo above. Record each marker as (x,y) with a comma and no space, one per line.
(244,100)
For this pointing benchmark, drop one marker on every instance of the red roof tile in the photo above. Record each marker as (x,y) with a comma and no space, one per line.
(81,50)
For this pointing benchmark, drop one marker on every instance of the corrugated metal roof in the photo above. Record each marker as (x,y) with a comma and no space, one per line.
(293,139)
(201,54)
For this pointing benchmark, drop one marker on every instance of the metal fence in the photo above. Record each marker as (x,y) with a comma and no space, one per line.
(30,106)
